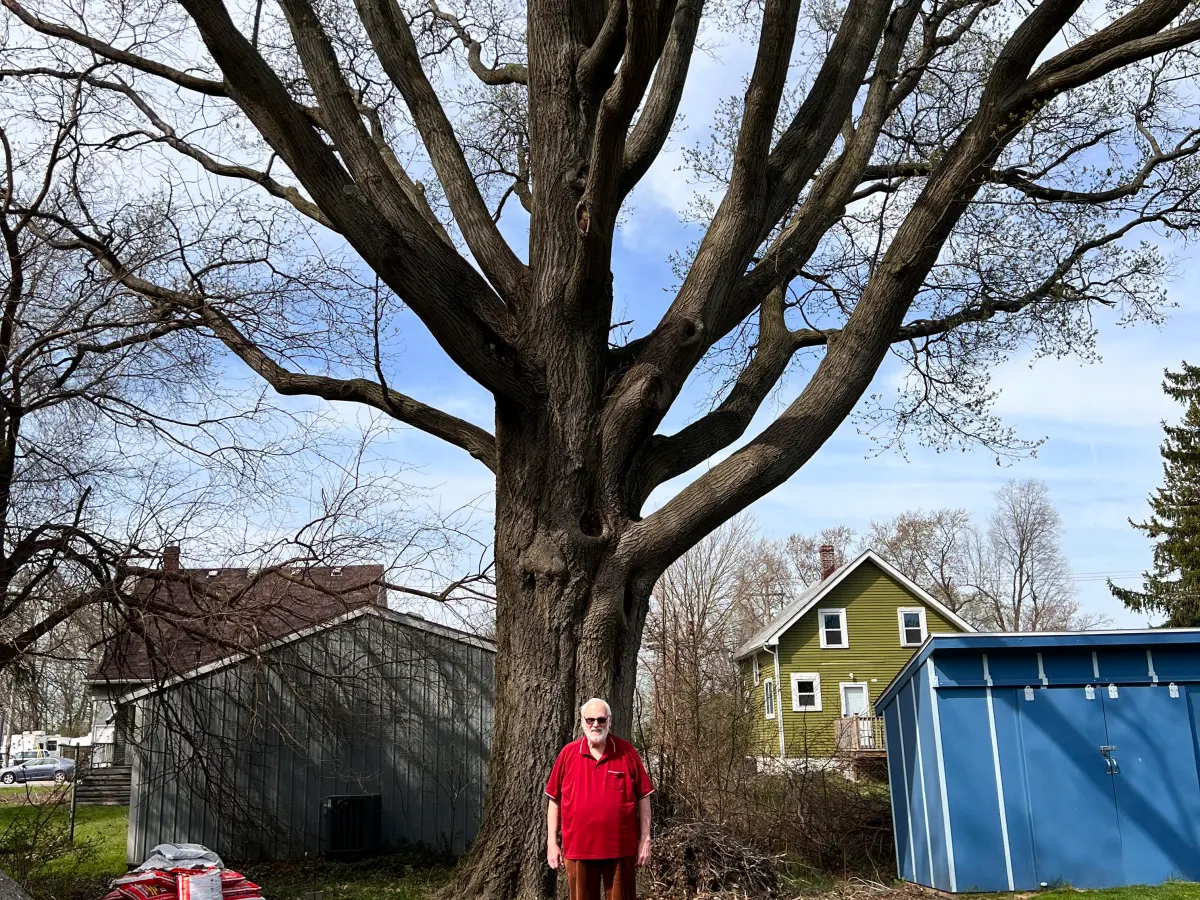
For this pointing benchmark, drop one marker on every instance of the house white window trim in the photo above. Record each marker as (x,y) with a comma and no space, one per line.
(841,611)
(920,610)
(842,685)
(754,668)
(768,698)
(815,678)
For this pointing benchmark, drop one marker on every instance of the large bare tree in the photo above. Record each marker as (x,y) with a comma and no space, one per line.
(946,181)
(932,548)
(1017,577)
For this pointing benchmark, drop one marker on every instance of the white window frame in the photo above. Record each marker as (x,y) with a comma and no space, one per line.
(815,678)
(768,698)
(900,613)
(754,668)
(842,685)
(821,613)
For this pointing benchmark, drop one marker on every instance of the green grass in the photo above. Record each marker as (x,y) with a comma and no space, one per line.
(55,869)
(1172,890)
(19,790)
(100,829)
(400,876)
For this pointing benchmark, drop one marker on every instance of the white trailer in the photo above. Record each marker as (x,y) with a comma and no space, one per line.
(33,744)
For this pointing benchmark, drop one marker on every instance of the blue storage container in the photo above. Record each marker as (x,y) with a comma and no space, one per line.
(1018,761)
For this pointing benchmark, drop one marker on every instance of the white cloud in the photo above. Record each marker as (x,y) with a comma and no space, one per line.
(1123,391)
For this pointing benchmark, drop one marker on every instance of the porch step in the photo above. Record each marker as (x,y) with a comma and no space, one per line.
(109,786)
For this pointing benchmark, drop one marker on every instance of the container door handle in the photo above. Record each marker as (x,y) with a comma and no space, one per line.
(1110,762)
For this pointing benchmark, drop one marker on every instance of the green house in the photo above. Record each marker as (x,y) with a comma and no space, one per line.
(814,671)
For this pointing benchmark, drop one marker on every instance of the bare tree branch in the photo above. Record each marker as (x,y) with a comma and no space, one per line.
(648,136)
(507,73)
(451,429)
(397,51)
(470,324)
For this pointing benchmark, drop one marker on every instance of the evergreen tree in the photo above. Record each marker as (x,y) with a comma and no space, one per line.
(1173,587)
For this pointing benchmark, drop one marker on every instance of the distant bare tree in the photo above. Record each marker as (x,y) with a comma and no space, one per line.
(930,548)
(118,436)
(1017,571)
(766,583)
(696,719)
(804,551)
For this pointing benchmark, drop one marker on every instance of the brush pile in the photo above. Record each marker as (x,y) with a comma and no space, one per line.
(703,861)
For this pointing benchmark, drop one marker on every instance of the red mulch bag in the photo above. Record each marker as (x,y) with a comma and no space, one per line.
(154,885)
(155,877)
(204,885)
(147,892)
(167,884)
(235,886)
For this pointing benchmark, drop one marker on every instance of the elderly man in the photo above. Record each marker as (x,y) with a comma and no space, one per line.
(600,794)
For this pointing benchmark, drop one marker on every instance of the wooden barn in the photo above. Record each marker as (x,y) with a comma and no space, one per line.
(295,715)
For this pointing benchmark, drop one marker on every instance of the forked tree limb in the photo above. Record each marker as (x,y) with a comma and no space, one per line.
(649,135)
(851,361)
(461,311)
(397,51)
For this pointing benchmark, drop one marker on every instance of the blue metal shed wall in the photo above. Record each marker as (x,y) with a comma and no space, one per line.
(957,765)
(900,790)
(923,848)
(240,758)
(978,823)
(932,766)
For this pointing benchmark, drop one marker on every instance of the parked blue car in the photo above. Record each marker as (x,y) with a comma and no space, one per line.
(47,768)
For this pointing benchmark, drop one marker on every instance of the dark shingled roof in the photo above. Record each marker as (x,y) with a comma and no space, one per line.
(191,617)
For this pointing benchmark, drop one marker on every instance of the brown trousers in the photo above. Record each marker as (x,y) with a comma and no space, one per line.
(619,877)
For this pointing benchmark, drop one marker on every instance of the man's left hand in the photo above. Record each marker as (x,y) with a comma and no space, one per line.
(643,854)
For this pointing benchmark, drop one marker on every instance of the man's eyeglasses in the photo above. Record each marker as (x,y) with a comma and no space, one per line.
(599,720)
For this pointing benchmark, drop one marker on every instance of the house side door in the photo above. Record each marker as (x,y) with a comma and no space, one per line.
(1073,810)
(1157,788)
(856,703)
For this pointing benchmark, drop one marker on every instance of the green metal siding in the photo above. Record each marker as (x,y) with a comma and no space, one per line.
(871,599)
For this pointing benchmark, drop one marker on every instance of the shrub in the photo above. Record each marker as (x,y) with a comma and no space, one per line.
(37,850)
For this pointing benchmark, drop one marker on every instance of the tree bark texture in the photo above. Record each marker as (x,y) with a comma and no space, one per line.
(568,626)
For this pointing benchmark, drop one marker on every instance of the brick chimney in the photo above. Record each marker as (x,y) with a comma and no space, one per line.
(171,558)
(828,561)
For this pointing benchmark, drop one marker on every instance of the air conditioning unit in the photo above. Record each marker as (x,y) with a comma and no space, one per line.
(354,824)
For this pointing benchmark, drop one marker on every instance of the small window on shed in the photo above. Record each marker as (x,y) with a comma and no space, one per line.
(769,699)
(912,626)
(833,628)
(754,669)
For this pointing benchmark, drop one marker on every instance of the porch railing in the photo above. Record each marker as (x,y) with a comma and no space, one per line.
(859,734)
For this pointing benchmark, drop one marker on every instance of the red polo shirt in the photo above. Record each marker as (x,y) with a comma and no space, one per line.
(597,799)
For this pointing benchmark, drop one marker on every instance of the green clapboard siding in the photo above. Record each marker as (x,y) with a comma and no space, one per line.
(871,599)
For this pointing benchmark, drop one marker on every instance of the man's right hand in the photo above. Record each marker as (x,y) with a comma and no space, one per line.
(553,855)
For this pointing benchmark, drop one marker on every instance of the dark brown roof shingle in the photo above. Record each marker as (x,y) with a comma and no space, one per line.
(188,618)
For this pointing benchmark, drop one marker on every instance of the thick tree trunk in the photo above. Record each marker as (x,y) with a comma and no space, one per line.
(568,625)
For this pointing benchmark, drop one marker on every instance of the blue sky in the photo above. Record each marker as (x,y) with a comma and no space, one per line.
(1101,421)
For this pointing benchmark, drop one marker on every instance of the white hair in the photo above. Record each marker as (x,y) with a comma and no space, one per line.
(607,708)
